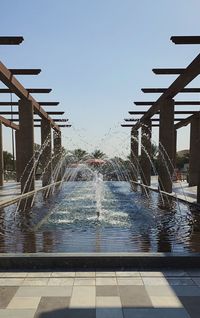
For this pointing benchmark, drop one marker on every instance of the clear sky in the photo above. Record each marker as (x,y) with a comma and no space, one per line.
(96,55)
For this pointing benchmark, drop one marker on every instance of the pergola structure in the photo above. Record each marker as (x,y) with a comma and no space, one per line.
(24,131)
(164,107)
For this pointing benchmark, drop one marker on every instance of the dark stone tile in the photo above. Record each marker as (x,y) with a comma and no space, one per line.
(107,291)
(192,305)
(6,294)
(52,307)
(68,313)
(134,296)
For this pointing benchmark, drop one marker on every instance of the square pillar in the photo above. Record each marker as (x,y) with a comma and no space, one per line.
(26,145)
(17,153)
(1,157)
(194,163)
(57,149)
(166,146)
(146,152)
(46,156)
(134,155)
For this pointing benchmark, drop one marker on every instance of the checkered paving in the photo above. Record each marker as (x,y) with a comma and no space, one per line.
(170,294)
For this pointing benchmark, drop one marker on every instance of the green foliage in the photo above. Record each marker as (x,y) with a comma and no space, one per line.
(98,154)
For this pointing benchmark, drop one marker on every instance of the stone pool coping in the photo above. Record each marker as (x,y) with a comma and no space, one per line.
(103,261)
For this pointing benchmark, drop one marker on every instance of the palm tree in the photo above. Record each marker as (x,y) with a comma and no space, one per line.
(79,154)
(98,154)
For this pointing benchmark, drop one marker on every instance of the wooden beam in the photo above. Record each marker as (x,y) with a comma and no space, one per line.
(25,71)
(58,125)
(11,40)
(191,71)
(185,39)
(29,90)
(153,119)
(17,113)
(8,123)
(16,87)
(163,90)
(39,119)
(184,122)
(182,112)
(40,103)
(168,71)
(177,103)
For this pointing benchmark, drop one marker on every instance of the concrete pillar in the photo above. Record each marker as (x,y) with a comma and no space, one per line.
(175,147)
(26,146)
(57,146)
(166,146)
(194,162)
(18,159)
(134,154)
(146,152)
(1,157)
(46,156)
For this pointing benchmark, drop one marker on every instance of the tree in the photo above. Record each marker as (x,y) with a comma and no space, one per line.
(79,154)
(98,154)
(7,160)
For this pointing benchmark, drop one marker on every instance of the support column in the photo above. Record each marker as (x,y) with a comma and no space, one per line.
(194,163)
(26,145)
(134,155)
(166,146)
(1,157)
(57,145)
(146,152)
(18,159)
(175,147)
(46,157)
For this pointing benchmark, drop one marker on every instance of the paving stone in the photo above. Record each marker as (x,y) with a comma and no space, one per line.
(84,282)
(134,296)
(39,274)
(175,273)
(35,281)
(107,290)
(154,281)
(108,302)
(106,281)
(109,313)
(186,290)
(128,274)
(61,281)
(193,273)
(44,291)
(17,313)
(15,274)
(77,313)
(6,294)
(53,307)
(180,281)
(63,274)
(151,274)
(11,281)
(105,274)
(85,274)
(24,303)
(166,302)
(192,305)
(196,280)
(155,313)
(83,297)
(161,291)
(129,281)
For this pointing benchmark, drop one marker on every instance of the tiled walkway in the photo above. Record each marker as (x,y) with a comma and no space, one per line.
(169,294)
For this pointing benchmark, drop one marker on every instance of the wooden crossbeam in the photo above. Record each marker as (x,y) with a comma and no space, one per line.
(29,90)
(163,90)
(177,103)
(182,112)
(25,71)
(40,103)
(58,125)
(38,119)
(168,71)
(11,40)
(17,113)
(185,39)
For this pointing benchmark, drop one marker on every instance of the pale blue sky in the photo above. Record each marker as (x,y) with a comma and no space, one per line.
(96,56)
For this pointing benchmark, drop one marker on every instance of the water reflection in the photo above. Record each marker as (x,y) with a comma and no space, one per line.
(129,221)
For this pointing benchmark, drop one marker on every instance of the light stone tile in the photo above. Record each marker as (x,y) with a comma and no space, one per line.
(24,303)
(163,302)
(15,274)
(105,274)
(129,281)
(161,291)
(35,282)
(44,291)
(85,274)
(108,302)
(151,274)
(2,274)
(39,274)
(84,282)
(63,274)
(109,313)
(155,281)
(83,297)
(106,281)
(11,281)
(128,274)
(17,313)
(58,281)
